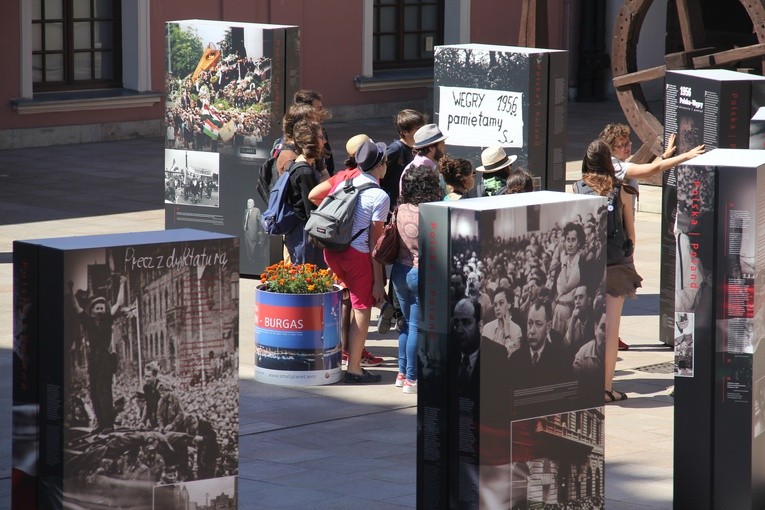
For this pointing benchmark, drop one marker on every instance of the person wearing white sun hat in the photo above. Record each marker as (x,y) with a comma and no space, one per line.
(495,169)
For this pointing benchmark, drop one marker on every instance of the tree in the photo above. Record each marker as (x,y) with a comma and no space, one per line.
(184,50)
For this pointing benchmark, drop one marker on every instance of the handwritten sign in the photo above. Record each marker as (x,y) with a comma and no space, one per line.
(479,117)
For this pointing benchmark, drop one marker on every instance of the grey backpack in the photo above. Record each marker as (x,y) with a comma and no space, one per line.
(330,226)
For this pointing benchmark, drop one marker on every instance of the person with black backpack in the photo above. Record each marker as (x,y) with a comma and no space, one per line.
(309,143)
(354,265)
(622,280)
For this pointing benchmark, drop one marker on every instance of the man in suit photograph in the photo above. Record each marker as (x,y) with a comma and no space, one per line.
(484,405)
(254,236)
(540,360)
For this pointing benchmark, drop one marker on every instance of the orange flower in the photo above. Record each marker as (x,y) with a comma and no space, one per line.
(288,278)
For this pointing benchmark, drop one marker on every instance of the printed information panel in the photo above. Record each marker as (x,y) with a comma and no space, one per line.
(515,97)
(228,87)
(720,364)
(508,365)
(134,397)
(711,107)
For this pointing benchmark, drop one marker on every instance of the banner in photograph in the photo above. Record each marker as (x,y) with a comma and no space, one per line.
(480,117)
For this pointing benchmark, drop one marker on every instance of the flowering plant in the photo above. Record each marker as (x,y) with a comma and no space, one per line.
(288,278)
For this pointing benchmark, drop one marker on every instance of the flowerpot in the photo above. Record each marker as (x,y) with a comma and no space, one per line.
(297,338)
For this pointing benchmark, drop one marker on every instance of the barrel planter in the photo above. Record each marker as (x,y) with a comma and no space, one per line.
(297,338)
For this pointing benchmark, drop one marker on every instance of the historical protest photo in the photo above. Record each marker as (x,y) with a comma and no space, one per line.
(151,382)
(192,178)
(218,87)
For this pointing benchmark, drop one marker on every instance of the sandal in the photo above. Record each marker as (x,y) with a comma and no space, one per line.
(614,396)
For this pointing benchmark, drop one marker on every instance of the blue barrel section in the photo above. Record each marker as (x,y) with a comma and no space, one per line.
(297,338)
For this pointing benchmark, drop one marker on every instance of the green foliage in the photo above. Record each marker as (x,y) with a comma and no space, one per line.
(185,50)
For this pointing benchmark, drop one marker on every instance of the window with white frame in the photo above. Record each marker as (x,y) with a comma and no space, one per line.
(76,44)
(405,32)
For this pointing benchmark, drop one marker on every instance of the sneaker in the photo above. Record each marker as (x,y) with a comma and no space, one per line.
(410,387)
(345,358)
(623,346)
(383,321)
(400,378)
(370,360)
(362,378)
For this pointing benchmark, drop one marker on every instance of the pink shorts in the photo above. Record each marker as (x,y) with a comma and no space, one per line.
(355,271)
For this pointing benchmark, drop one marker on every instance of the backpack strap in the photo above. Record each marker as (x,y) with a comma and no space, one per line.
(296,164)
(581,188)
(347,184)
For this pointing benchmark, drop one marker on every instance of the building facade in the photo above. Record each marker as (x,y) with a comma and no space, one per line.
(92,70)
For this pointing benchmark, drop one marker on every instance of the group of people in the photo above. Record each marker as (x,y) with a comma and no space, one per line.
(547,281)
(552,274)
(190,190)
(412,170)
(177,425)
(240,84)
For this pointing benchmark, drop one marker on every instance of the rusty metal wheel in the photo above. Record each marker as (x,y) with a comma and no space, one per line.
(628,80)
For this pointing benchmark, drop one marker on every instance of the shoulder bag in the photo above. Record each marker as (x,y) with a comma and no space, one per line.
(386,248)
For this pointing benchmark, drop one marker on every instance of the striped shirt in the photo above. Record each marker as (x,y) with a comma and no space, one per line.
(373,205)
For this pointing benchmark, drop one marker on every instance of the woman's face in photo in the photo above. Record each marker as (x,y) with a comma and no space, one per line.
(571,242)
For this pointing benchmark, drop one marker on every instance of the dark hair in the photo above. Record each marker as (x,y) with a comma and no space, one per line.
(456,172)
(504,289)
(420,184)
(598,169)
(543,304)
(305,96)
(519,181)
(295,114)
(408,119)
(306,137)
(476,308)
(577,229)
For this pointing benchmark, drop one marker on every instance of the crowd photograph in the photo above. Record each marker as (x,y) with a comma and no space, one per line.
(148,401)
(541,297)
(192,178)
(226,100)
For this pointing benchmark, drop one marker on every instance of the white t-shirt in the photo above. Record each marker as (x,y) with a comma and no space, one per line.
(373,205)
(621,169)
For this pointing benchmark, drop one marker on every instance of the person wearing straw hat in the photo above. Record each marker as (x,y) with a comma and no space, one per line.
(495,169)
(317,194)
(351,170)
